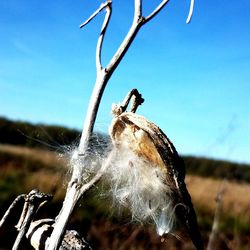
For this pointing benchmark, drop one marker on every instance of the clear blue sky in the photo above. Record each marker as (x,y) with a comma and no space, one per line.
(195,78)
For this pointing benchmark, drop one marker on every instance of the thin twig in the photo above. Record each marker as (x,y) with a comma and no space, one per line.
(102,6)
(100,84)
(137,100)
(102,34)
(138,22)
(156,11)
(121,51)
(33,201)
(25,226)
(11,207)
(190,13)
(108,6)
(23,214)
(217,216)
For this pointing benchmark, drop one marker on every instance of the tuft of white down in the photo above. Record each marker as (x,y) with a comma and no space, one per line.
(83,167)
(140,187)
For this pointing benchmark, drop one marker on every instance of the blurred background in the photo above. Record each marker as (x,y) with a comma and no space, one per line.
(195,81)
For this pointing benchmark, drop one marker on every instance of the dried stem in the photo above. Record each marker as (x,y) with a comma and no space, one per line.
(102,6)
(33,201)
(23,214)
(191,9)
(156,10)
(18,199)
(76,188)
(138,9)
(25,226)
(137,100)
(101,37)
(74,192)
(217,216)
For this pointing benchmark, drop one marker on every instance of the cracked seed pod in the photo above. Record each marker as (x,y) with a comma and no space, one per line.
(39,235)
(147,176)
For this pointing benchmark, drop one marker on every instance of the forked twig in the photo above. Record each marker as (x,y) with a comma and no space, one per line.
(33,201)
(108,7)
(76,188)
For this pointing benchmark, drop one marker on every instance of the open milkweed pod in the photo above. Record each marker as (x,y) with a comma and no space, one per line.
(147,175)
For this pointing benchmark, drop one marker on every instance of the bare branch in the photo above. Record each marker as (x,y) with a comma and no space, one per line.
(156,11)
(121,51)
(70,200)
(108,6)
(23,214)
(33,201)
(100,84)
(138,10)
(102,6)
(191,9)
(137,24)
(24,228)
(102,34)
(11,207)
(74,192)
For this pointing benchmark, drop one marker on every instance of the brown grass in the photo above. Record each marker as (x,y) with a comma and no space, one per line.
(51,179)
(203,191)
(45,156)
(236,199)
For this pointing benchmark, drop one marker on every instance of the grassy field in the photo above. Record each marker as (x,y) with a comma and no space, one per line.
(23,169)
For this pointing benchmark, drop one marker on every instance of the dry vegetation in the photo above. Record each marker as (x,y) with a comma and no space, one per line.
(235,200)
(23,169)
(44,156)
(203,190)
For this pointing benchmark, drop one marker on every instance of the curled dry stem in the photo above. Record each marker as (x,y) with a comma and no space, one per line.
(76,188)
(136,101)
(18,199)
(33,201)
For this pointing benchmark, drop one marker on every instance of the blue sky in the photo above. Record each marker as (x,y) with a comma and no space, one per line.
(195,78)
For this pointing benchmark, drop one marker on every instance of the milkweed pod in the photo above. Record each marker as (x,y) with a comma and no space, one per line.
(147,176)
